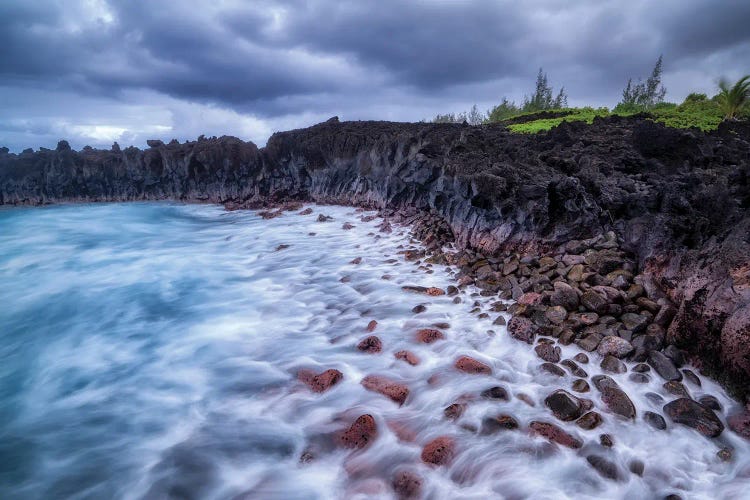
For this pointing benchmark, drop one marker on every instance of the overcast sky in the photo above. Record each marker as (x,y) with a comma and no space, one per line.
(98,71)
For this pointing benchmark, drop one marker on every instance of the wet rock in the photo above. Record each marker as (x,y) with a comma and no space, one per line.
(391,389)
(602,381)
(306,211)
(606,468)
(522,329)
(491,425)
(614,346)
(347,226)
(419,308)
(710,402)
(324,218)
(439,451)
(675,354)
(548,352)
(738,423)
(676,389)
(564,405)
(590,420)
(654,420)
(322,381)
(692,414)
(595,302)
(553,369)
(361,433)
(618,402)
(639,378)
(606,440)
(454,411)
(407,356)
(356,261)
(371,326)
(636,467)
(580,385)
(663,366)
(407,485)
(581,358)
(530,299)
(589,343)
(724,454)
(634,322)
(641,368)
(556,315)
(500,320)
(370,345)
(429,335)
(574,368)
(654,398)
(496,392)
(555,434)
(691,377)
(468,364)
(613,365)
(564,296)
(526,399)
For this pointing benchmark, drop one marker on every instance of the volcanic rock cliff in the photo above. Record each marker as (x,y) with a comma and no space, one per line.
(678,200)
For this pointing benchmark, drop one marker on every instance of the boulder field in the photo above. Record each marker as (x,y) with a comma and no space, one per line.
(623,228)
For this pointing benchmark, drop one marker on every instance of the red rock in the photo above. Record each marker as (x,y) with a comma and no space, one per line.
(322,381)
(347,226)
(356,260)
(429,335)
(555,434)
(439,451)
(454,411)
(387,387)
(306,211)
(470,365)
(372,325)
(361,433)
(434,291)
(370,345)
(522,329)
(530,299)
(407,356)
(407,485)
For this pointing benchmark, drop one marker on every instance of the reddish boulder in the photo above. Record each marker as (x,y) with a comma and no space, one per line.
(387,387)
(439,451)
(555,434)
(435,292)
(370,344)
(407,485)
(407,356)
(429,335)
(360,434)
(693,414)
(322,381)
(470,365)
(454,411)
(372,325)
(530,299)
(522,329)
(548,352)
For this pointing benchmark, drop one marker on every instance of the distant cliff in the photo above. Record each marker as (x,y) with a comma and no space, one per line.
(679,200)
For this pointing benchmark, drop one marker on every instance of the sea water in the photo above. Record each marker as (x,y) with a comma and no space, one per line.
(151,350)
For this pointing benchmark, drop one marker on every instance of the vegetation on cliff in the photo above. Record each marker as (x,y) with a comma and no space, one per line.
(541,111)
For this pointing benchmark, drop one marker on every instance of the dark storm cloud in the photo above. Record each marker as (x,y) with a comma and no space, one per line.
(288,62)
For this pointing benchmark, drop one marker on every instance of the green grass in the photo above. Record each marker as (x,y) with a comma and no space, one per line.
(574,115)
(699,113)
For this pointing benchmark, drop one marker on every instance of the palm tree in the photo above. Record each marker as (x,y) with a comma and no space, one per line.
(732,99)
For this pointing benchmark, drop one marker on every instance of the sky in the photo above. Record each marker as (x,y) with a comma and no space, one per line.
(99,71)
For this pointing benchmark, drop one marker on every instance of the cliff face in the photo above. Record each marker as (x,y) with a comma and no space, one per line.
(679,200)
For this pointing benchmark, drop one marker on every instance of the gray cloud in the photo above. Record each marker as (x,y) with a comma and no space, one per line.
(259,66)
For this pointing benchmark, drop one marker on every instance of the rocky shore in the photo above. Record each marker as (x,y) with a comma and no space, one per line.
(623,236)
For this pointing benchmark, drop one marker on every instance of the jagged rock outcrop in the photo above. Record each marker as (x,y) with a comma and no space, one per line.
(678,200)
